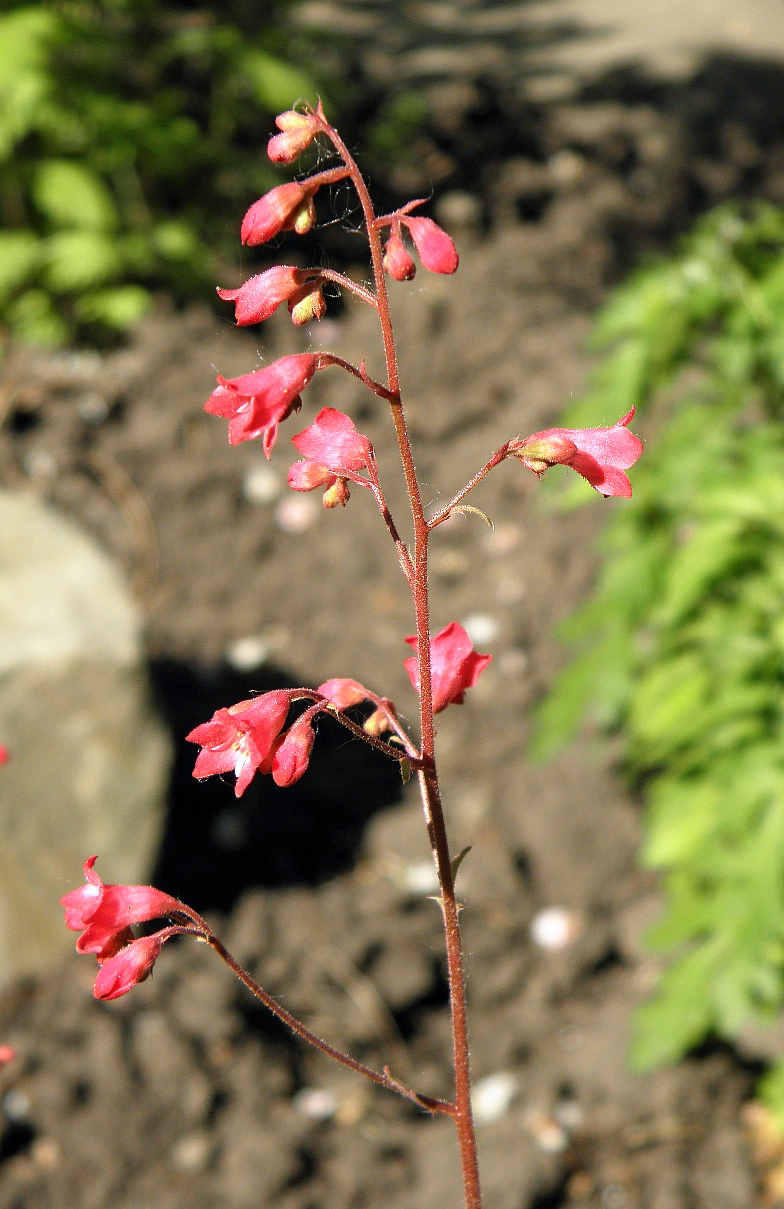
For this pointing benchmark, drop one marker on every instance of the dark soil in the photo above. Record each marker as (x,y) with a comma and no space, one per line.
(187,1094)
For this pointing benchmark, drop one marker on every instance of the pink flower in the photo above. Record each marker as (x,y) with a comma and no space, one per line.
(436,250)
(600,455)
(256,403)
(293,754)
(455,664)
(397,261)
(344,693)
(7,1054)
(241,739)
(132,964)
(104,913)
(256,300)
(5,755)
(285,208)
(298,131)
(335,452)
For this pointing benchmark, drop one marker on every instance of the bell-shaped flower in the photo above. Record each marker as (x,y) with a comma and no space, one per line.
(287,207)
(292,756)
(241,739)
(297,133)
(397,261)
(255,404)
(131,965)
(436,250)
(455,665)
(334,452)
(600,455)
(259,296)
(103,913)
(343,693)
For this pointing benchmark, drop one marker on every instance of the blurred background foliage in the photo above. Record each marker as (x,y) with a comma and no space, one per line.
(681,648)
(132,134)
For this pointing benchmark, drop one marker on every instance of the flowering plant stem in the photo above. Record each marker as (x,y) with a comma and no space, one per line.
(428,772)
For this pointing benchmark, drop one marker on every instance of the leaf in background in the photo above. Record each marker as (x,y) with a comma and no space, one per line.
(277,85)
(78,260)
(26,35)
(20,255)
(678,1018)
(119,308)
(70,195)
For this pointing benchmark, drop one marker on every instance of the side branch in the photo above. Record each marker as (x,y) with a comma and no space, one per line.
(444,513)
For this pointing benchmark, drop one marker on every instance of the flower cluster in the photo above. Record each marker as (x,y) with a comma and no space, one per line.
(105,915)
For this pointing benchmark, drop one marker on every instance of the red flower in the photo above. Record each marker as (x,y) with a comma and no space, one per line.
(436,250)
(600,455)
(335,452)
(256,403)
(7,1054)
(455,665)
(130,965)
(298,131)
(5,755)
(292,756)
(397,261)
(256,300)
(103,914)
(285,208)
(241,739)
(344,693)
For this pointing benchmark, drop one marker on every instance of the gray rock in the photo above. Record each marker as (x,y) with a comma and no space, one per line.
(88,757)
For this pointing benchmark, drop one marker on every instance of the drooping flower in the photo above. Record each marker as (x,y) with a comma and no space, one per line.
(436,250)
(455,665)
(104,913)
(259,296)
(297,133)
(287,207)
(600,455)
(334,452)
(255,404)
(241,739)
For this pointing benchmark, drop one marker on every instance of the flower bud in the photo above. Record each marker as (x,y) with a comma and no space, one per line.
(343,693)
(131,965)
(397,261)
(435,248)
(298,131)
(377,724)
(292,757)
(544,450)
(256,300)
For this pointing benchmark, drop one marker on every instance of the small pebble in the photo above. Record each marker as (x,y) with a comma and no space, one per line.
(39,464)
(296,513)
(493,1096)
(261,485)
(46,1153)
(92,407)
(614,1196)
(548,1134)
(481,628)
(248,653)
(554,928)
(569,1114)
(16,1105)
(513,663)
(315,1103)
(419,878)
(192,1153)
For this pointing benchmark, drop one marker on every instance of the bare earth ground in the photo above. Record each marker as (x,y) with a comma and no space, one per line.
(184,1094)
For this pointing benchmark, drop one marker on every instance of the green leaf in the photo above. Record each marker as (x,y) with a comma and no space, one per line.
(680,1016)
(119,308)
(70,195)
(276,84)
(77,260)
(20,255)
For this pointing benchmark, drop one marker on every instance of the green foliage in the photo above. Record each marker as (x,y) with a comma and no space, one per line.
(131,135)
(682,646)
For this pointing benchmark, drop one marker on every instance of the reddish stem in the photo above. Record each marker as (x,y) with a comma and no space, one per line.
(428,777)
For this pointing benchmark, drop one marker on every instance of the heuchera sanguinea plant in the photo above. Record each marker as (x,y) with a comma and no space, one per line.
(272,734)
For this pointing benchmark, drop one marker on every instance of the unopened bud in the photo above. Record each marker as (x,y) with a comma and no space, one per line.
(298,131)
(304,218)
(338,493)
(544,450)
(397,261)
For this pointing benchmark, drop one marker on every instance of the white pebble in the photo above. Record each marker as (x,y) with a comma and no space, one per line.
(296,513)
(247,653)
(481,628)
(546,1132)
(261,485)
(192,1153)
(315,1103)
(493,1096)
(554,928)
(420,878)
